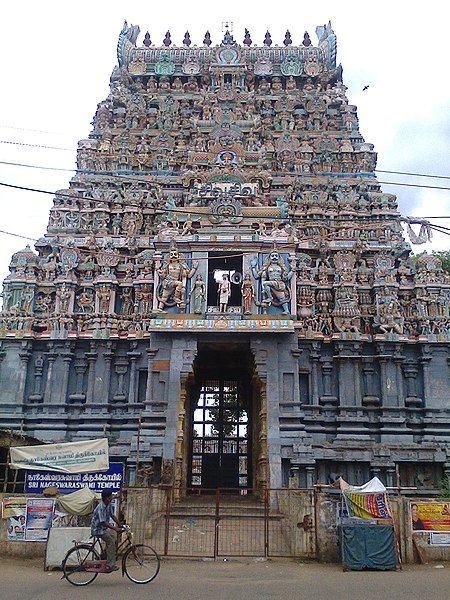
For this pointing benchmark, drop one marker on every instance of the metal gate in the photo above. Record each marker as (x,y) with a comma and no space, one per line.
(234,522)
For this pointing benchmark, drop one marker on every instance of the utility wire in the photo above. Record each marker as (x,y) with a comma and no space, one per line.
(159,211)
(14,164)
(428,176)
(134,178)
(36,130)
(413,174)
(36,145)
(18,235)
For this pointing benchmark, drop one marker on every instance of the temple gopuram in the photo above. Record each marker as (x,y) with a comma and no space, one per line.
(224,290)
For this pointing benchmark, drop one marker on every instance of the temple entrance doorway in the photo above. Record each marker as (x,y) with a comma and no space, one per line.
(225,443)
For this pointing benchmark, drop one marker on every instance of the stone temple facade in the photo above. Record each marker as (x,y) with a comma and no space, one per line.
(224,290)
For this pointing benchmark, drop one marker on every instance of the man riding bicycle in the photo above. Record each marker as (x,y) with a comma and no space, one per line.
(101,527)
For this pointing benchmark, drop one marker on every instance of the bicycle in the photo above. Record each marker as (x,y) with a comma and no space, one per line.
(83,562)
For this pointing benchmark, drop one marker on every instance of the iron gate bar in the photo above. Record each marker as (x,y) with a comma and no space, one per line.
(167,519)
(266,523)
(216,524)
(225,523)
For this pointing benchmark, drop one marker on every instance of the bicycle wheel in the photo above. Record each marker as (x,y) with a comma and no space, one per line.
(73,565)
(141,563)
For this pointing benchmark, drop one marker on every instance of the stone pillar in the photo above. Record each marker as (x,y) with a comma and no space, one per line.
(398,361)
(121,368)
(132,386)
(149,389)
(375,471)
(294,479)
(24,356)
(51,357)
(327,399)
(357,378)
(314,378)
(108,356)
(310,476)
(67,359)
(92,359)
(369,398)
(36,396)
(390,476)
(80,366)
(410,372)
(425,362)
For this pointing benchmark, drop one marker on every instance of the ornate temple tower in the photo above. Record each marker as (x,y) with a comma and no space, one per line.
(224,289)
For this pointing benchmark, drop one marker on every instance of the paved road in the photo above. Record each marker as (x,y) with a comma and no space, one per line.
(232,580)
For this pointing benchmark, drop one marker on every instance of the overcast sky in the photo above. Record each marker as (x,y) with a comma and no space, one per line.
(57,58)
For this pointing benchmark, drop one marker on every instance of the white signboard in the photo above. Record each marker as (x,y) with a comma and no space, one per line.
(72,457)
(439,539)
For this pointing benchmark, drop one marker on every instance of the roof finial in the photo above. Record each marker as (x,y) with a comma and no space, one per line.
(187,39)
(267,39)
(247,39)
(147,41)
(287,38)
(207,41)
(306,39)
(227,27)
(167,41)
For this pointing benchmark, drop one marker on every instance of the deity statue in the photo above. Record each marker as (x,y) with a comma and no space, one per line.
(85,301)
(126,298)
(248,294)
(198,295)
(27,300)
(104,297)
(144,300)
(174,273)
(64,294)
(275,276)
(224,293)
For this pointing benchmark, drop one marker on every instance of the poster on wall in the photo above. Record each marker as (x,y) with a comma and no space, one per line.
(14,511)
(430,516)
(39,516)
(367,506)
(15,528)
(12,507)
(112,479)
(71,457)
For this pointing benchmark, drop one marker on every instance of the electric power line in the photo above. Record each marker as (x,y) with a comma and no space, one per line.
(413,174)
(36,145)
(36,130)
(135,178)
(428,176)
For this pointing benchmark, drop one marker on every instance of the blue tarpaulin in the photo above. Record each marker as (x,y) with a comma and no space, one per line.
(368,547)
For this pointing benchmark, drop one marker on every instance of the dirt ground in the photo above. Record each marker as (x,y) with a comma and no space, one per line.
(250,579)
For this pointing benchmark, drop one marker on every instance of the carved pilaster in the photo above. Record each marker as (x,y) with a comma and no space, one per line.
(108,356)
(180,450)
(369,398)
(262,466)
(315,378)
(80,366)
(36,396)
(327,370)
(51,357)
(121,368)
(92,359)
(149,390)
(132,386)
(410,373)
(24,356)
(67,360)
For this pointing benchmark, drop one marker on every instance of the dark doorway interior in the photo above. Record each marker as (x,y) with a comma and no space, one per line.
(220,263)
(221,418)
